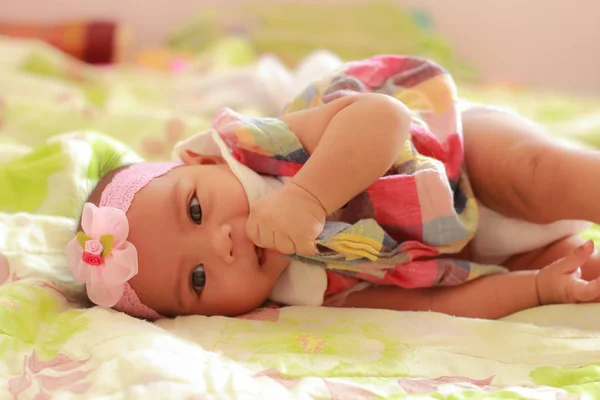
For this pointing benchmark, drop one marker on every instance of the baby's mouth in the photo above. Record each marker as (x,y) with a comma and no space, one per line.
(259,254)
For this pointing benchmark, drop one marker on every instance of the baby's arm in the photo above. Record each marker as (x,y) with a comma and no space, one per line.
(492,296)
(353,141)
(489,297)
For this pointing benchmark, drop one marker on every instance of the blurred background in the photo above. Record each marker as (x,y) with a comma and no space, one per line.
(545,43)
(191,57)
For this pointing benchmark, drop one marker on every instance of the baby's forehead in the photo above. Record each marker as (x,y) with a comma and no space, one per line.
(156,192)
(157,201)
(135,181)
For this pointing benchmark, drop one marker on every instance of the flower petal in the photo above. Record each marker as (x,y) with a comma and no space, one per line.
(78,268)
(87,217)
(121,265)
(110,221)
(102,294)
(84,272)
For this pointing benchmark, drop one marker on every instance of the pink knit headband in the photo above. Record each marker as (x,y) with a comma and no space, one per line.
(100,256)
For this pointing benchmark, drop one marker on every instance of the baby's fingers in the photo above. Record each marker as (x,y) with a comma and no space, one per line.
(253,231)
(260,234)
(267,238)
(305,247)
(585,292)
(284,244)
(571,263)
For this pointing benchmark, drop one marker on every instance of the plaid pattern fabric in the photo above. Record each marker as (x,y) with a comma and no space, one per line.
(404,228)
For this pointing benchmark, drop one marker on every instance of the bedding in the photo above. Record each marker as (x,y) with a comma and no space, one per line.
(59,117)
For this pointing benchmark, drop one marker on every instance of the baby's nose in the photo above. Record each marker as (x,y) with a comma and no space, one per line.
(223,244)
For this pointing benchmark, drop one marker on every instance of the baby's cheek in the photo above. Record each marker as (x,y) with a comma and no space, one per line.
(249,291)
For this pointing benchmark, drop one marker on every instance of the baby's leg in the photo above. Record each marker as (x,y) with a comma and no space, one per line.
(545,256)
(516,170)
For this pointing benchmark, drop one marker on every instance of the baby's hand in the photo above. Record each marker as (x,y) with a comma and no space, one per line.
(561,282)
(287,220)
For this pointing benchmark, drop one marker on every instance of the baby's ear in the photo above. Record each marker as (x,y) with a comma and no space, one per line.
(191,158)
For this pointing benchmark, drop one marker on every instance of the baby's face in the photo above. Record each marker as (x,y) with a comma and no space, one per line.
(189,228)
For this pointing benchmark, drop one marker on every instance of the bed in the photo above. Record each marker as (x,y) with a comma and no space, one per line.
(52,347)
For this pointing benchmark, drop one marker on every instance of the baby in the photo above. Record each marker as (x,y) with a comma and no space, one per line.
(375,188)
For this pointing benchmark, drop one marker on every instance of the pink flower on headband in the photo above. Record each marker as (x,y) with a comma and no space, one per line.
(92,259)
(100,256)
(94,246)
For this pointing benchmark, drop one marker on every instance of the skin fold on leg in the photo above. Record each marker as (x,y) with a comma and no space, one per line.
(516,170)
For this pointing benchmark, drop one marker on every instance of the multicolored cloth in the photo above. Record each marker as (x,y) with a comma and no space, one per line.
(403,229)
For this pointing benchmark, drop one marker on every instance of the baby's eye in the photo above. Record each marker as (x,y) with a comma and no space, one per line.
(195,211)
(198,278)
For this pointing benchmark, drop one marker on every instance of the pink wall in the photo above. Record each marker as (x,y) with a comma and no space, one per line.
(551,43)
(544,42)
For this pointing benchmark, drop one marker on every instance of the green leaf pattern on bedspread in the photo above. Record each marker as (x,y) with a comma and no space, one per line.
(30,317)
(345,347)
(58,121)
